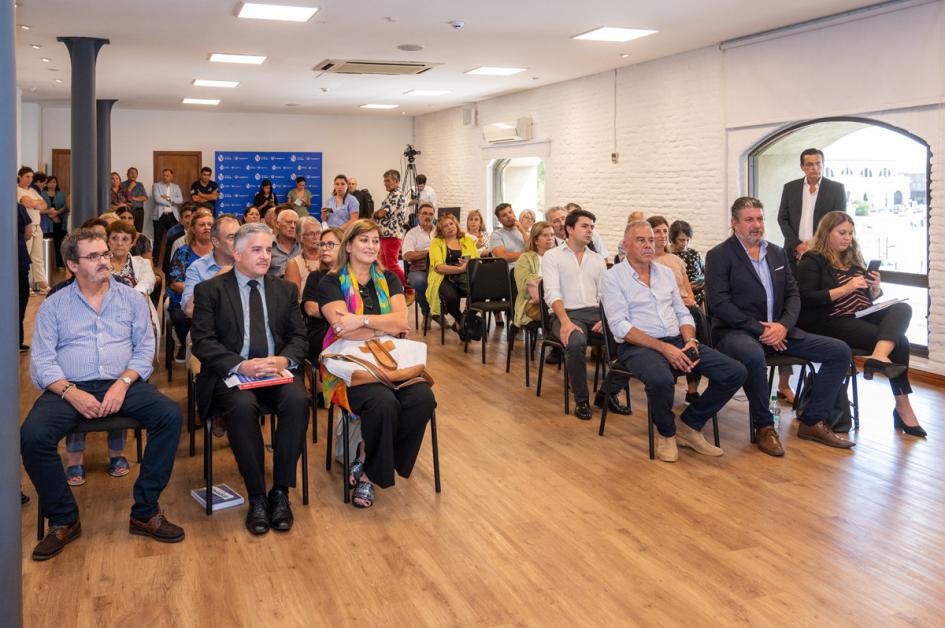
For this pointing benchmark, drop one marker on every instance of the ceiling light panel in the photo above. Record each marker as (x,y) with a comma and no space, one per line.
(222,57)
(378,106)
(494,71)
(201,101)
(612,33)
(278,12)
(212,83)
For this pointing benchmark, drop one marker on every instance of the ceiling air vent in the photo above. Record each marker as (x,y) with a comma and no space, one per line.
(360,66)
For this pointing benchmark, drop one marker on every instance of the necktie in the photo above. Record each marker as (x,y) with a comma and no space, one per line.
(258,346)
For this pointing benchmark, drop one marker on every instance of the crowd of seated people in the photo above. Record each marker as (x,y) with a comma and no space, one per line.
(255,300)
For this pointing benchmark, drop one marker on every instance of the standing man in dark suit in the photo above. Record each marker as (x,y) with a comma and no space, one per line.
(754,304)
(248,322)
(805,201)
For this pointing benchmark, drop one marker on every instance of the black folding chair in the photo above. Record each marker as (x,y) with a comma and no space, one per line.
(104,424)
(614,365)
(548,340)
(489,292)
(346,448)
(529,330)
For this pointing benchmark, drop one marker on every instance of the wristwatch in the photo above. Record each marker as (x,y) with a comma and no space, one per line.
(365,322)
(126,379)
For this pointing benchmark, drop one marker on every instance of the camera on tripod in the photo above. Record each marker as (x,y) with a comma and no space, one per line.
(411,153)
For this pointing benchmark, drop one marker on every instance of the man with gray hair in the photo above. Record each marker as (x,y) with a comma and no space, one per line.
(285,245)
(223,237)
(248,323)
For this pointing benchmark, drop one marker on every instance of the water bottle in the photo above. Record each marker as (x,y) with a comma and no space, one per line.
(775,408)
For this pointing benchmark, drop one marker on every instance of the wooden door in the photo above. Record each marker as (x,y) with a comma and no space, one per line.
(185,164)
(62,168)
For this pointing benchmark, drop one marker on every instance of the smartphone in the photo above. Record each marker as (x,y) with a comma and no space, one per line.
(692,354)
(874,266)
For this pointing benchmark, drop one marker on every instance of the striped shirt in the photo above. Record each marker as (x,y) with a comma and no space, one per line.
(72,341)
(850,304)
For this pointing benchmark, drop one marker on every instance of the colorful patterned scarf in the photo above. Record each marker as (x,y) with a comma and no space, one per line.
(333,389)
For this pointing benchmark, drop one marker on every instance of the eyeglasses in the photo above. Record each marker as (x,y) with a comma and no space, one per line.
(327,245)
(95,257)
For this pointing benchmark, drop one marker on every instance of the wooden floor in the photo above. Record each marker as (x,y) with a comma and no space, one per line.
(541,522)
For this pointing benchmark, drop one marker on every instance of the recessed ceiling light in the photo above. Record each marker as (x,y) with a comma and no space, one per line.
(35,46)
(211,83)
(45,59)
(292,104)
(494,71)
(222,57)
(280,12)
(201,101)
(612,33)
(410,47)
(378,106)
(53,69)
(625,56)
(427,92)
(24,27)
(58,81)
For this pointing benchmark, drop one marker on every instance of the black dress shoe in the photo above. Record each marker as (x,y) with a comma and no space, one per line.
(553,357)
(888,369)
(692,397)
(613,403)
(257,517)
(582,411)
(911,430)
(280,513)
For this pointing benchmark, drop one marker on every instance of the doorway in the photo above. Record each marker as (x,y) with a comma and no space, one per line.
(185,164)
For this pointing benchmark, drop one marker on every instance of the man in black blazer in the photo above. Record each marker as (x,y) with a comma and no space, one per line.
(754,304)
(247,322)
(805,201)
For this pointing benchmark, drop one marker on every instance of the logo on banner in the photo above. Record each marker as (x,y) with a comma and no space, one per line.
(248,167)
(292,158)
(257,157)
(220,157)
(220,176)
(257,176)
(292,176)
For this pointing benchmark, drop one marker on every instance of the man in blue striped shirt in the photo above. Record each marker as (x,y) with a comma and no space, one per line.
(93,346)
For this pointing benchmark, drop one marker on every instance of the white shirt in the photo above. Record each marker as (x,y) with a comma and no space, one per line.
(656,309)
(417,240)
(575,284)
(805,230)
(35,216)
(427,194)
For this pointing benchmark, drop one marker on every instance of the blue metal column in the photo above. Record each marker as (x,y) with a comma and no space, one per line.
(103,116)
(11,592)
(83,51)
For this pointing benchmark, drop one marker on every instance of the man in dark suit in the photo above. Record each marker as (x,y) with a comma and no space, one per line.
(754,304)
(247,322)
(805,201)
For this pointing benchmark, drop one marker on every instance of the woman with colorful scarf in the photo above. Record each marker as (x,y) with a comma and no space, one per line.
(361,300)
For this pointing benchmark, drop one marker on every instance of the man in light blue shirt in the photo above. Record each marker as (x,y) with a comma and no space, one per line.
(654,330)
(93,346)
(222,236)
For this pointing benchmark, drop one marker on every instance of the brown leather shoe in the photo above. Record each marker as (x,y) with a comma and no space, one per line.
(822,434)
(768,441)
(158,528)
(56,539)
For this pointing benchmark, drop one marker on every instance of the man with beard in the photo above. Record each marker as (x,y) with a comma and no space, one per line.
(754,303)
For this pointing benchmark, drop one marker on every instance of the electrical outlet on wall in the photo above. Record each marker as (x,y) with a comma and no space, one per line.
(615,157)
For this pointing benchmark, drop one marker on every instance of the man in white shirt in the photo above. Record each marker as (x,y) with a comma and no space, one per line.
(571,275)
(416,251)
(597,244)
(425,193)
(653,330)
(167,199)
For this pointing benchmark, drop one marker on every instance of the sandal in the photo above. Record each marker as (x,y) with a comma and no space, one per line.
(365,492)
(118,467)
(356,470)
(75,475)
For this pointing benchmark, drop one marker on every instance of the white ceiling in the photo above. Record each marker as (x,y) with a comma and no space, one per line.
(158,48)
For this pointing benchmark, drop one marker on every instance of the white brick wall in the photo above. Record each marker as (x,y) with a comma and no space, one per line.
(679,154)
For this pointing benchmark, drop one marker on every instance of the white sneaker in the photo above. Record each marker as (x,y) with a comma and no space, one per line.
(666,448)
(689,437)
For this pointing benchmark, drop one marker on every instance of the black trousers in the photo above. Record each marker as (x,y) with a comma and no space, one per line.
(863,333)
(392,426)
(139,217)
(450,297)
(59,234)
(23,280)
(575,353)
(161,225)
(51,418)
(181,323)
(242,410)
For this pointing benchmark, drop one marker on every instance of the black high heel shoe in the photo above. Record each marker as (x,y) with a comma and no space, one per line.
(911,430)
(888,369)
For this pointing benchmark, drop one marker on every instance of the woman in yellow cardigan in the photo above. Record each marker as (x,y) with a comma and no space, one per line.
(450,251)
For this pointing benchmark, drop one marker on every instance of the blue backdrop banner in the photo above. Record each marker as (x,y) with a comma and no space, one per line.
(239,174)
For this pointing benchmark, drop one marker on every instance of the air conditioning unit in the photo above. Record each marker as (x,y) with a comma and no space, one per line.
(502,132)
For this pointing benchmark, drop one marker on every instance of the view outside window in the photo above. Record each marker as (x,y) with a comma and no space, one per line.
(885,174)
(520,182)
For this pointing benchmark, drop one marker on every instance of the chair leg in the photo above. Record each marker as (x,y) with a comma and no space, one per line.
(208,461)
(597,372)
(603,420)
(770,380)
(528,374)
(567,389)
(191,416)
(649,429)
(856,397)
(314,410)
(305,471)
(436,453)
(329,431)
(510,339)
(169,352)
(800,385)
(272,431)
(346,470)
(715,428)
(138,444)
(484,347)
(40,520)
(541,368)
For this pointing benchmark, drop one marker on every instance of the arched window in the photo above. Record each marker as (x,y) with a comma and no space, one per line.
(885,171)
(519,181)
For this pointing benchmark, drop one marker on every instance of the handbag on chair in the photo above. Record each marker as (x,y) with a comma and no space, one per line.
(394,362)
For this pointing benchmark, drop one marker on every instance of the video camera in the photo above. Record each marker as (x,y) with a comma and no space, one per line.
(411,153)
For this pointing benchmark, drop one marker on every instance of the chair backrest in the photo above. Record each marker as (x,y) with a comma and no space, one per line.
(610,343)
(488,279)
(513,287)
(545,312)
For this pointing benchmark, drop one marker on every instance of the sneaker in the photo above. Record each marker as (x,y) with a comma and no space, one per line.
(118,467)
(181,354)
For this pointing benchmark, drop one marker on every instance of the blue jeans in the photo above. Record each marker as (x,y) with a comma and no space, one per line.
(418,281)
(725,375)
(51,418)
(75,442)
(832,354)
